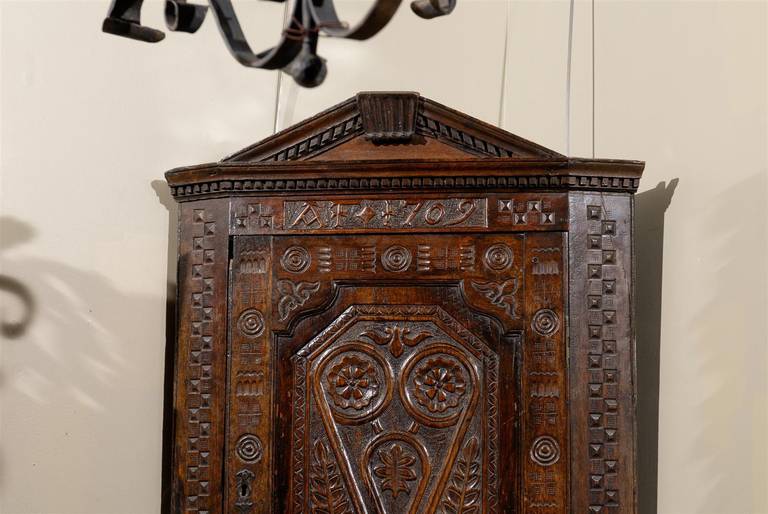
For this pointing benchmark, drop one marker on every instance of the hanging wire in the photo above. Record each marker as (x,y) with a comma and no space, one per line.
(568,82)
(276,120)
(503,99)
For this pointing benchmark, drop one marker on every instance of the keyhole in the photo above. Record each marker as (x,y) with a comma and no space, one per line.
(243,490)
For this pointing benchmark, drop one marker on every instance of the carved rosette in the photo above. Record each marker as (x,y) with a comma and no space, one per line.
(355,383)
(439,384)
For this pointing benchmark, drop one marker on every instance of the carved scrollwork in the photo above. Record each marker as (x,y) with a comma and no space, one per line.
(293,295)
(500,294)
(396,337)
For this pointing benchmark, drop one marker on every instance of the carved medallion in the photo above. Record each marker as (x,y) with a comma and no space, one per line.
(296,259)
(437,384)
(545,322)
(249,448)
(251,323)
(545,451)
(396,258)
(498,257)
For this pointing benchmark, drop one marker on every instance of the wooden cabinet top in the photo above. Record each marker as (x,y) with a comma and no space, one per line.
(390,141)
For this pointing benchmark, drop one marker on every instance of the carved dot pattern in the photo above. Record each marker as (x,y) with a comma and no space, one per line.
(249,448)
(396,258)
(296,259)
(251,323)
(545,451)
(545,322)
(499,257)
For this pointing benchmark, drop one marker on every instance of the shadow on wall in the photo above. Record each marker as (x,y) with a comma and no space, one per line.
(650,208)
(164,197)
(15,232)
(81,350)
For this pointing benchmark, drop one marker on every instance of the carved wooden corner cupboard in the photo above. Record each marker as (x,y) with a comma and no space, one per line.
(393,307)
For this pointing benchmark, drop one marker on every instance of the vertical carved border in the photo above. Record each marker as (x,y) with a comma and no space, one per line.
(249,416)
(201,357)
(544,453)
(602,354)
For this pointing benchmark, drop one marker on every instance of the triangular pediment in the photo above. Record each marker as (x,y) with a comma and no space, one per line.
(391,126)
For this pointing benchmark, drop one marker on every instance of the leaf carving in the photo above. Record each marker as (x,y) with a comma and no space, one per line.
(462,495)
(325,486)
(396,469)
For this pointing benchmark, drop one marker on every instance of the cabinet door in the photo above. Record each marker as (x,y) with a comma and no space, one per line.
(384,374)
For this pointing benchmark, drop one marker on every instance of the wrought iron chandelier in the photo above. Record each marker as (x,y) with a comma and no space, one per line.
(295,53)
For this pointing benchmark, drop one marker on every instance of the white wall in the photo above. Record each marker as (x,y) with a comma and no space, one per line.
(90,121)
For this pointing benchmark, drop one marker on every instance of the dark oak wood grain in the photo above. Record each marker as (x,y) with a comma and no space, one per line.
(395,308)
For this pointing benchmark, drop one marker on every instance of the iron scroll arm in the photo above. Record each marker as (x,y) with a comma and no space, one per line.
(295,53)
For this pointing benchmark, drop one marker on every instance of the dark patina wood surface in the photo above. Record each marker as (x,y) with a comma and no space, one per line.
(392,308)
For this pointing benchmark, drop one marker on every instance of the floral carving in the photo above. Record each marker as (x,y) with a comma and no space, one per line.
(396,469)
(353,383)
(439,384)
(396,337)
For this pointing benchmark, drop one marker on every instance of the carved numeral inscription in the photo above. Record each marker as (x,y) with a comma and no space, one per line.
(391,213)
(602,361)
(395,411)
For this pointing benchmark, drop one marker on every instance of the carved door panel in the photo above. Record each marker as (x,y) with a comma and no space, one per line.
(401,409)
(373,374)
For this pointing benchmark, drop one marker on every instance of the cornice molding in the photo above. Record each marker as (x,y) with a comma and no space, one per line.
(216,180)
